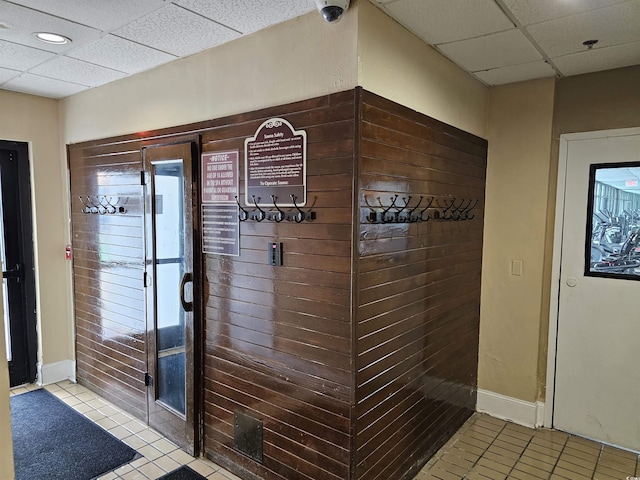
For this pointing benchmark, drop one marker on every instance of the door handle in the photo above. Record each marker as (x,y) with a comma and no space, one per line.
(16,272)
(186,278)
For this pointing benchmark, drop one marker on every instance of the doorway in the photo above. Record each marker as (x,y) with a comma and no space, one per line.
(16,256)
(593,379)
(170,283)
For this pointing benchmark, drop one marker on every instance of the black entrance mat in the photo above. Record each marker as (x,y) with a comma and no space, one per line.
(182,473)
(53,441)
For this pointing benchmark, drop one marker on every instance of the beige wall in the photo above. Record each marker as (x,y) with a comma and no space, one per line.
(519,133)
(35,120)
(397,65)
(597,101)
(6,445)
(296,60)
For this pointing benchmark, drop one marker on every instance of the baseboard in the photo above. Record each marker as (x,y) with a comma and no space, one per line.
(56,372)
(529,414)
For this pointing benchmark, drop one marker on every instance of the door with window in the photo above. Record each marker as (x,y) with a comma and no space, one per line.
(16,256)
(169,281)
(597,379)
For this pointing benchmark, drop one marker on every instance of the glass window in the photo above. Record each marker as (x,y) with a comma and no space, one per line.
(613,241)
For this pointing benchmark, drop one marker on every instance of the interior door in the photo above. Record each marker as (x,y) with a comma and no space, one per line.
(597,383)
(170,292)
(16,256)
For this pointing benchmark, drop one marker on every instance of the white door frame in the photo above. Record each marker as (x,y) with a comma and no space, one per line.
(557,254)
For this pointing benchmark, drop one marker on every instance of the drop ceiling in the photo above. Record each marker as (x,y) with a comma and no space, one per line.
(497,41)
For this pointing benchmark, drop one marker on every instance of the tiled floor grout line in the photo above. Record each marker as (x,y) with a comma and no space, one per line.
(564,445)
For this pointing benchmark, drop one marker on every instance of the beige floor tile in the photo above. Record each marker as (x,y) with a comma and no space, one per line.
(603,469)
(135,442)
(537,463)
(488,472)
(204,468)
(442,474)
(108,476)
(181,457)
(166,463)
(493,465)
(149,452)
(570,451)
(520,475)
(165,446)
(149,436)
(586,470)
(152,470)
(507,461)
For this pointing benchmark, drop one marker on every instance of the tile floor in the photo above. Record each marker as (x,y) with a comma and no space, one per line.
(485,448)
(488,448)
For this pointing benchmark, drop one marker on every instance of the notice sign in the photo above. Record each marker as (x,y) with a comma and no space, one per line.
(220,230)
(276,164)
(220,177)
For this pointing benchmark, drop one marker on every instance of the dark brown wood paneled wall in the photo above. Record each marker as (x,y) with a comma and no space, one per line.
(418,288)
(359,354)
(278,339)
(108,265)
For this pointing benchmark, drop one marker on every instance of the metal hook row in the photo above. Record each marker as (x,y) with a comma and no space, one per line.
(444,209)
(101,204)
(275,214)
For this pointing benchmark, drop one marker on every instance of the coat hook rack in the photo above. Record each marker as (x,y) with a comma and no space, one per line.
(442,209)
(276,213)
(102,205)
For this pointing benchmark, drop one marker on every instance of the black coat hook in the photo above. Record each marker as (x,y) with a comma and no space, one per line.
(243,214)
(278,217)
(260,215)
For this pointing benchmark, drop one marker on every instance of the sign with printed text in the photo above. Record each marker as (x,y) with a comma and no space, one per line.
(276,165)
(220,177)
(220,230)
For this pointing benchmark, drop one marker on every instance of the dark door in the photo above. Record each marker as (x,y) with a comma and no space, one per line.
(170,291)
(16,255)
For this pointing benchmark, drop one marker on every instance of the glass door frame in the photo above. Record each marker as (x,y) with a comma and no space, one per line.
(183,429)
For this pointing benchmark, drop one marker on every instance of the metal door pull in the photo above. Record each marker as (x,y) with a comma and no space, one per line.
(186,278)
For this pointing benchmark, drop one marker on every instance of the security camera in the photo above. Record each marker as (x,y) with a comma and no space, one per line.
(332,10)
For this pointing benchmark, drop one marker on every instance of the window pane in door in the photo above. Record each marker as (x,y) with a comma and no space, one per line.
(169,269)
(613,233)
(5,293)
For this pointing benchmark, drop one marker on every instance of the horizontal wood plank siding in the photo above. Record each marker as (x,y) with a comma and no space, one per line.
(108,265)
(278,340)
(418,290)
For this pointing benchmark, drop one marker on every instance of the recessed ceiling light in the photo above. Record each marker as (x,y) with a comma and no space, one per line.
(52,38)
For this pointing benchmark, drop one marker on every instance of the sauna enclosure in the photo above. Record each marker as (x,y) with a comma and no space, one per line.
(355,359)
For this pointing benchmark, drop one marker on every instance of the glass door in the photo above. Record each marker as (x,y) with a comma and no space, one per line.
(170,293)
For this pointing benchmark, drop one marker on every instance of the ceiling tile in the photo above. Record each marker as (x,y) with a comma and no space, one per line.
(613,25)
(516,73)
(248,16)
(45,87)
(7,74)
(77,71)
(599,59)
(101,14)
(528,12)
(491,51)
(23,22)
(175,30)
(19,57)
(120,54)
(441,21)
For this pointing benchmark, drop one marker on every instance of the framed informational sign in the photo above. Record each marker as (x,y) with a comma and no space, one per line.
(220,177)
(276,165)
(220,184)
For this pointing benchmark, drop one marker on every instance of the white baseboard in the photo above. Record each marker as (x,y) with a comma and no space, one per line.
(529,414)
(56,372)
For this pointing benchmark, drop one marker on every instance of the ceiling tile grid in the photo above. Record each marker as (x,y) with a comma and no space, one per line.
(497,41)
